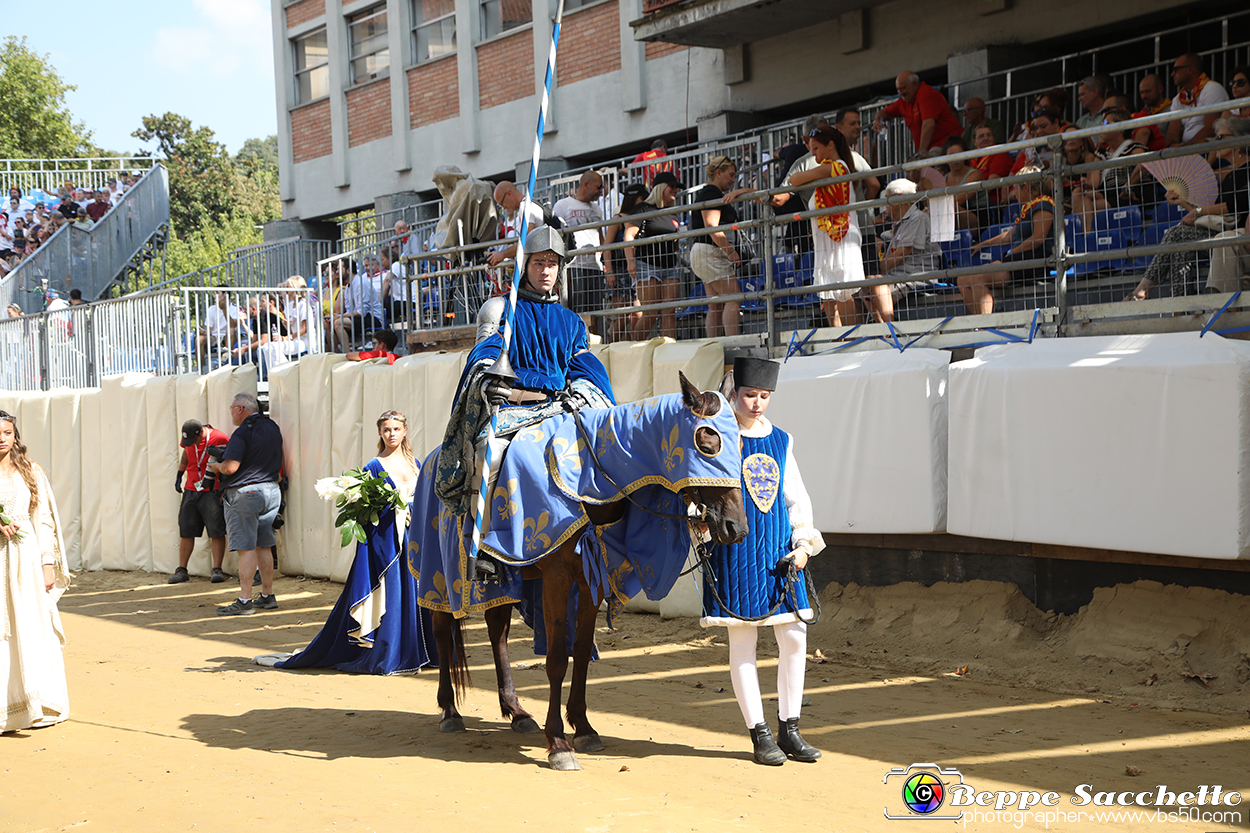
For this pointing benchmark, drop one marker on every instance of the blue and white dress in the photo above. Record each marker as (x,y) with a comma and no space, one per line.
(779,519)
(376,626)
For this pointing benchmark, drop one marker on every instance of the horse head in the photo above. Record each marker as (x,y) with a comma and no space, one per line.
(720,506)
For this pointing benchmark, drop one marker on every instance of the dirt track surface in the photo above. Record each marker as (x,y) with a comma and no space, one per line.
(174,728)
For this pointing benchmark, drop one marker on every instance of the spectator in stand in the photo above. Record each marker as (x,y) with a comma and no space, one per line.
(511,199)
(223,327)
(584,273)
(200,510)
(972,208)
(1075,152)
(991,165)
(98,207)
(653,266)
(364,308)
(1110,187)
(1053,101)
(22,202)
(925,111)
(332,297)
(715,258)
(849,123)
(75,298)
(620,288)
(251,464)
(1092,93)
(114,192)
(6,235)
(835,237)
(267,326)
(1046,122)
(1240,86)
(1029,238)
(299,307)
(1204,221)
(382,346)
(911,251)
(1229,264)
(659,148)
(1154,101)
(974,117)
(1194,90)
(796,235)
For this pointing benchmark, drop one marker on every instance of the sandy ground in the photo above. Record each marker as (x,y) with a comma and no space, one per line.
(174,728)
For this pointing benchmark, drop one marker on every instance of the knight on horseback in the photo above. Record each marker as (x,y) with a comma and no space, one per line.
(553,371)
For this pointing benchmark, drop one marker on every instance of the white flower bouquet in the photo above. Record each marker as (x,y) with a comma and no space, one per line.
(361,498)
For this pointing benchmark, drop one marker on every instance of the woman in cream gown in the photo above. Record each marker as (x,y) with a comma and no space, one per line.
(33,575)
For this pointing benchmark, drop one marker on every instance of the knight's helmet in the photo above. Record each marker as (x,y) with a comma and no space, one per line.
(542,239)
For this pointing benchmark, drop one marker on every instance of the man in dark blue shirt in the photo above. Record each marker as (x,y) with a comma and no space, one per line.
(251,466)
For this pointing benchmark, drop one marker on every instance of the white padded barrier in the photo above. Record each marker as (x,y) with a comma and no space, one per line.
(703,362)
(870,435)
(284,385)
(92,478)
(631,368)
(164,435)
(64,469)
(1138,443)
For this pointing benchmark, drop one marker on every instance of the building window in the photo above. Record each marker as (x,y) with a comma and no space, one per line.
(312,67)
(570,5)
(433,29)
(370,54)
(501,15)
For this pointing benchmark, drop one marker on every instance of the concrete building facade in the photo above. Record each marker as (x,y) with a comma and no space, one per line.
(373,95)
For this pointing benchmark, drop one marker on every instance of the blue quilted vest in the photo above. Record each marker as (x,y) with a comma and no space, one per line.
(747,575)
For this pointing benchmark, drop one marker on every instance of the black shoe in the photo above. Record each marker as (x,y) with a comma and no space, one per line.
(179,576)
(218,576)
(270,602)
(766,749)
(791,742)
(237,608)
(256,579)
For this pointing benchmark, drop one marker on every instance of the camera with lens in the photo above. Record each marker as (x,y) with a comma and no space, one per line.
(208,481)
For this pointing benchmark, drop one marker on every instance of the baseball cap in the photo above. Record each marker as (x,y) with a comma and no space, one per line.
(191,432)
(667,178)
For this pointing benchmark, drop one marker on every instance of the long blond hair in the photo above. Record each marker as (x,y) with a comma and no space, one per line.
(405,448)
(21,462)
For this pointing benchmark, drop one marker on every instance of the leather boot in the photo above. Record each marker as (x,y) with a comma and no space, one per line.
(791,742)
(766,751)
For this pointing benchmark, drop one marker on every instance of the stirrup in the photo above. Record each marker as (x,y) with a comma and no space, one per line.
(484,569)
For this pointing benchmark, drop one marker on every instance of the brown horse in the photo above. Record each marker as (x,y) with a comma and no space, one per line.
(718,507)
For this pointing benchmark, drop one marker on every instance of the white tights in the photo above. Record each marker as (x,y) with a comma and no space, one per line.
(792,645)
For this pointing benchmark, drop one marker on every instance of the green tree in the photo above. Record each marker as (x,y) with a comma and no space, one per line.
(201,175)
(34,119)
(259,153)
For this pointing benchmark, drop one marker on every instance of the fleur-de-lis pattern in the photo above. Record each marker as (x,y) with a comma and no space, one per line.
(529,435)
(567,455)
(536,540)
(504,499)
(605,438)
(673,452)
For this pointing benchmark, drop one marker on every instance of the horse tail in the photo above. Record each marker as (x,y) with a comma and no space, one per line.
(458,662)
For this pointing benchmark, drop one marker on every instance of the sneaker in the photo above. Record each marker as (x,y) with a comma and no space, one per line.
(264,602)
(179,576)
(237,608)
(256,579)
(218,576)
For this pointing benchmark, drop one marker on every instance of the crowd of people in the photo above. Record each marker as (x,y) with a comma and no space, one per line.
(28,219)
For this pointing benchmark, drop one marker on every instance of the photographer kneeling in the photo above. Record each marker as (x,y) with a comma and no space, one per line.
(201,502)
(251,465)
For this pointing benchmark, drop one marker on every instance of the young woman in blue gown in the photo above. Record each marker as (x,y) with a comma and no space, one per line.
(376,626)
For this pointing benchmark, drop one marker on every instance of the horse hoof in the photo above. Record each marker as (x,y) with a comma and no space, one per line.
(452,725)
(523,724)
(563,761)
(588,743)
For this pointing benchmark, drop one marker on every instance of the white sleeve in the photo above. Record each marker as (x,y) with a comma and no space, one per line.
(799,505)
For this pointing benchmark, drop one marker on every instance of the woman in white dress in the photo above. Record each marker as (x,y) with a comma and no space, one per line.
(835,237)
(33,575)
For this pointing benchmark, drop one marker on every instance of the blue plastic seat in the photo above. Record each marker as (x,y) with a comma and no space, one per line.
(694,309)
(1100,241)
(1167,214)
(1127,220)
(1072,227)
(804,275)
(958,252)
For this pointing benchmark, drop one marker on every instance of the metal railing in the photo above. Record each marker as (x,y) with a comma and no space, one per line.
(91,259)
(368,229)
(264,265)
(48,175)
(1090,268)
(267,327)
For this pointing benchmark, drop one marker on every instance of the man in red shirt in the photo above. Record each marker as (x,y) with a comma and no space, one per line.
(99,207)
(201,501)
(1155,101)
(924,110)
(992,165)
(384,342)
(659,148)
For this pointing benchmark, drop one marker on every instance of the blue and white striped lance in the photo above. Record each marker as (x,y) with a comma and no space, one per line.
(479,509)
